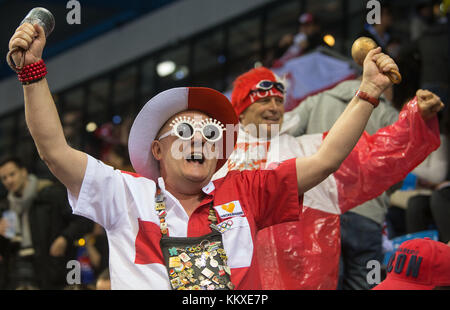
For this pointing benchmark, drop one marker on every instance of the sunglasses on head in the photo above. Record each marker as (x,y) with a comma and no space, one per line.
(266,85)
(185,127)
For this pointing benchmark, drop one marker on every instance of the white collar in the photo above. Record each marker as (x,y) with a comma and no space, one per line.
(208,189)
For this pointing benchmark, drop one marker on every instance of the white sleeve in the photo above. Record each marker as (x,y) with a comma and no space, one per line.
(102,197)
(434,168)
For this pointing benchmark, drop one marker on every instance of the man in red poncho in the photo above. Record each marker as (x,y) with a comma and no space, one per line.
(305,254)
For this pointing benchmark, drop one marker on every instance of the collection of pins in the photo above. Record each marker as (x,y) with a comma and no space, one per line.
(200,267)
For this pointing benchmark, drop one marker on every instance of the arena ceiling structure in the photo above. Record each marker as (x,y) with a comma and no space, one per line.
(96,18)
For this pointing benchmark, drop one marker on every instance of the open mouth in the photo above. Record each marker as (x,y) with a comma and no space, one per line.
(195,158)
(272,119)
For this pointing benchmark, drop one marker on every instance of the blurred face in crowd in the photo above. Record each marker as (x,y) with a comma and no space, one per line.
(386,17)
(309,28)
(265,111)
(180,160)
(13,178)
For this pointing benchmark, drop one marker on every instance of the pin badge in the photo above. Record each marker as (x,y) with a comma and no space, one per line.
(207,273)
(160,206)
(159,198)
(176,282)
(179,268)
(230,285)
(225,226)
(173,251)
(174,262)
(205,282)
(213,263)
(184,257)
(162,213)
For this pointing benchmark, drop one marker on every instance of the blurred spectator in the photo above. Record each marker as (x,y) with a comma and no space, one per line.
(432,47)
(409,66)
(308,38)
(426,61)
(104,281)
(41,228)
(419,215)
(4,246)
(113,141)
(424,210)
(97,249)
(422,19)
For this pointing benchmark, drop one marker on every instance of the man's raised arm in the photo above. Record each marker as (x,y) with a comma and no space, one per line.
(345,133)
(66,163)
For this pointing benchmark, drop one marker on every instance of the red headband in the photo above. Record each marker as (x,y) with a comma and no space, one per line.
(242,96)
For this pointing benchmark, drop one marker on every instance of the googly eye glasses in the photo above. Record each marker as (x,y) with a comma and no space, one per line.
(265,85)
(185,127)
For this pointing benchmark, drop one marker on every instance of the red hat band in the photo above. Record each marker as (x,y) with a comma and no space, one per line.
(260,94)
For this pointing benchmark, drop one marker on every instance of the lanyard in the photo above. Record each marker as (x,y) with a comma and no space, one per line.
(162,213)
(194,263)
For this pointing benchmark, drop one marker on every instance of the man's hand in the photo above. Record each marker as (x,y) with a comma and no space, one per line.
(58,247)
(31,40)
(376,65)
(429,103)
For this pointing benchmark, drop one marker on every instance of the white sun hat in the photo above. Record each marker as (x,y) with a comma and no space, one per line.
(163,106)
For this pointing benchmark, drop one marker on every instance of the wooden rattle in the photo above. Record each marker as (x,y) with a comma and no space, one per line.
(361,47)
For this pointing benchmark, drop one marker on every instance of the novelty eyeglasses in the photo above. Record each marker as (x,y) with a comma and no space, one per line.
(185,127)
(265,85)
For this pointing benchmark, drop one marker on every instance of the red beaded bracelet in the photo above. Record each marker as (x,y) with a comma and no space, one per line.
(365,96)
(32,73)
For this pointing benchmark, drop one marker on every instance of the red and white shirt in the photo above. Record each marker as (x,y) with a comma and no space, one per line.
(123,203)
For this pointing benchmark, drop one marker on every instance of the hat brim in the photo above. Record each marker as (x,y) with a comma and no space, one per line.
(394,284)
(163,106)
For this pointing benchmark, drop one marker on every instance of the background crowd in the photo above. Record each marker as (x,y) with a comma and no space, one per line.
(39,234)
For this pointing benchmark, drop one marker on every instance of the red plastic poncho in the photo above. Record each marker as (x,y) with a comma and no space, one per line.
(305,254)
